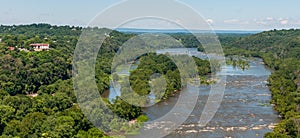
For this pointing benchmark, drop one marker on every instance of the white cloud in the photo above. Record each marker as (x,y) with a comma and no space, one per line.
(261,22)
(231,21)
(269,19)
(297,22)
(210,21)
(284,22)
(236,21)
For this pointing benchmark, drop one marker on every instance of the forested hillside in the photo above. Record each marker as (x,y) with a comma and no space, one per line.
(280,50)
(36,87)
(37,97)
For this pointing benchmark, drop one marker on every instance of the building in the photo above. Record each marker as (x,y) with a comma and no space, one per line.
(11,48)
(40,47)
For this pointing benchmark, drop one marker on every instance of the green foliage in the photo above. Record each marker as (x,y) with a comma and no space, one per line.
(282,44)
(92,133)
(54,112)
(280,52)
(142,118)
(150,64)
(238,62)
(125,110)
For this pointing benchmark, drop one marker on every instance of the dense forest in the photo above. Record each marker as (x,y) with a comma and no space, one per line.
(36,87)
(37,96)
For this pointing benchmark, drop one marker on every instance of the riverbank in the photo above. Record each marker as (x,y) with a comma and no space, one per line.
(244,111)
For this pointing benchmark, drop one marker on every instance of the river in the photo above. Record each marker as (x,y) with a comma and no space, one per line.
(245,110)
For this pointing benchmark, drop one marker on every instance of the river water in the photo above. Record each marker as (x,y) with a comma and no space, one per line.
(245,110)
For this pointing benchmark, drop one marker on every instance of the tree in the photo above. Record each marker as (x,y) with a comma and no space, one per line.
(31,125)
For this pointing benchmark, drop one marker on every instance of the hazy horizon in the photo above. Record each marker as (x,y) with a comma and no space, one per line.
(158,29)
(220,15)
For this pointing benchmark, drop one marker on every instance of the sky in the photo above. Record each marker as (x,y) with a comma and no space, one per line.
(219,14)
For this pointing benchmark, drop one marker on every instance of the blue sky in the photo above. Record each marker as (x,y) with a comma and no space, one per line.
(220,14)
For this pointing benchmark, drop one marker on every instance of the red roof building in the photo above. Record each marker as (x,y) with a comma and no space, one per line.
(11,48)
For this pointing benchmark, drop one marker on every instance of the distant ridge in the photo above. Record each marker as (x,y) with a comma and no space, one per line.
(135,30)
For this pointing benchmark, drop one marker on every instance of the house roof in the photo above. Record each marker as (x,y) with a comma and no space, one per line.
(39,44)
(11,48)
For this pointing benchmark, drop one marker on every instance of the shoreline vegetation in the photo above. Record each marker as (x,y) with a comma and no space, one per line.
(168,79)
(238,62)
(280,51)
(51,108)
